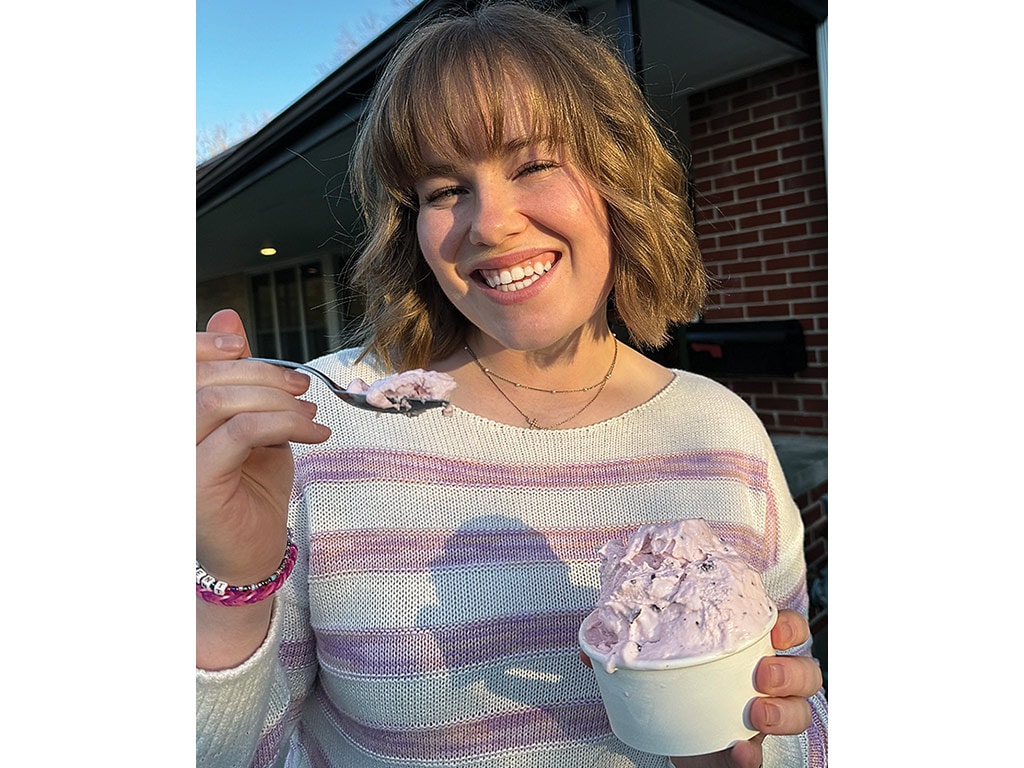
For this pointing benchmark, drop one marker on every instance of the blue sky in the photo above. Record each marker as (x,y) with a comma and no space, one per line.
(256,57)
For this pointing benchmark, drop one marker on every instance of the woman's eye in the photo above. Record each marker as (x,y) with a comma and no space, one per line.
(537,166)
(441,194)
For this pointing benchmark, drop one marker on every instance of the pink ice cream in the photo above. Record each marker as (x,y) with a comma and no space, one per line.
(397,390)
(675,590)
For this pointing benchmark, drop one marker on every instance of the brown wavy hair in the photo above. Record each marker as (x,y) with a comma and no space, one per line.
(453,73)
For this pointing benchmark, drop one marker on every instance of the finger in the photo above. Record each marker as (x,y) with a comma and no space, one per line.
(224,339)
(780,716)
(215,405)
(747,754)
(211,373)
(791,629)
(743,754)
(227,447)
(788,676)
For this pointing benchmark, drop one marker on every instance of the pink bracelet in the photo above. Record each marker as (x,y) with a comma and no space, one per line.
(212,590)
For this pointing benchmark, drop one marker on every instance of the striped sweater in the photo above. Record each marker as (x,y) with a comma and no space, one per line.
(446,562)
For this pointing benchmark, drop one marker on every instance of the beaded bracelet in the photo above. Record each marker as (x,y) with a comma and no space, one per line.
(212,590)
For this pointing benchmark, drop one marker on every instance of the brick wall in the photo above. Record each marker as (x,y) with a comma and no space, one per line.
(762,218)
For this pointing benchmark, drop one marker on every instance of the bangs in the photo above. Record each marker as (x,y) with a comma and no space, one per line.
(461,97)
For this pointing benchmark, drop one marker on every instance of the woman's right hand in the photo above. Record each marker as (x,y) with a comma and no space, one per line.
(246,414)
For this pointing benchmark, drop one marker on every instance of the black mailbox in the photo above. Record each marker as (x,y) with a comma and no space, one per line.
(746,348)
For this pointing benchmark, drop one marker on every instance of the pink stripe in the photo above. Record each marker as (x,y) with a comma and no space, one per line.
(417,651)
(361,465)
(380,550)
(565,722)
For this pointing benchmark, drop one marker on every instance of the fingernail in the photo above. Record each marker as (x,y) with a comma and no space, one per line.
(296,379)
(776,675)
(229,343)
(772,714)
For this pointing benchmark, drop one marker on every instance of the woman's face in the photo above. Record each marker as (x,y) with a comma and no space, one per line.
(519,241)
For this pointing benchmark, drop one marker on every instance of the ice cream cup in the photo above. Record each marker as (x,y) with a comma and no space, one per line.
(681,707)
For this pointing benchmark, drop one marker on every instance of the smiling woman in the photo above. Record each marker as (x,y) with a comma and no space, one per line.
(479,94)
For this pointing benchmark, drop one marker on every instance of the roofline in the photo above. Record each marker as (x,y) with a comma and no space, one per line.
(322,109)
(336,102)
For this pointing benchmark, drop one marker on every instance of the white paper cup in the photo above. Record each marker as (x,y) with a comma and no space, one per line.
(683,706)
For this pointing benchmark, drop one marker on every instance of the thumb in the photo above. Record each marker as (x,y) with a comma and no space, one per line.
(227,321)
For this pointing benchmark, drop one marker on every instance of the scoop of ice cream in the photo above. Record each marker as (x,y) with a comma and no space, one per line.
(672,591)
(396,390)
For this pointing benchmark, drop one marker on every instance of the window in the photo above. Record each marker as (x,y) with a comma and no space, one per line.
(295,309)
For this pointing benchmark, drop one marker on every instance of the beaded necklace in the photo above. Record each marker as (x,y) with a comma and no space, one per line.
(531,421)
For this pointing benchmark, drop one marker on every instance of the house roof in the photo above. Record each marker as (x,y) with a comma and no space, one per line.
(283,184)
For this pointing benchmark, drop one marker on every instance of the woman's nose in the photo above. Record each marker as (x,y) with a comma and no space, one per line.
(496,215)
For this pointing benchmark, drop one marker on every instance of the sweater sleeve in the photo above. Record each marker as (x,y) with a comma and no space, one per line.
(232,704)
(245,715)
(787,581)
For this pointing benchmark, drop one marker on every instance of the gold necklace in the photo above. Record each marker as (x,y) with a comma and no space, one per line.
(531,422)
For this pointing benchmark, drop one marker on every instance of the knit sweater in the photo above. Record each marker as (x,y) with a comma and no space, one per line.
(446,562)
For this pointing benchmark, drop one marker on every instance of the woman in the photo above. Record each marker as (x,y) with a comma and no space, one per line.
(515,189)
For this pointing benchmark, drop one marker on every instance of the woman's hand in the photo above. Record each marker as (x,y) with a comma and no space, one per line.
(246,414)
(787,681)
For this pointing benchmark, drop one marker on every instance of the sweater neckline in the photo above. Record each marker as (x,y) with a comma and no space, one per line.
(629,414)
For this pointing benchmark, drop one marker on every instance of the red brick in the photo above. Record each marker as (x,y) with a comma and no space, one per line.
(742,297)
(787,262)
(789,294)
(797,277)
(813,211)
(707,170)
(781,169)
(795,387)
(774,280)
(804,181)
(775,107)
(811,130)
(740,238)
(732,150)
(799,117)
(724,313)
(754,97)
(754,128)
(763,251)
(767,312)
(805,82)
(778,139)
(711,140)
(761,220)
(735,210)
(798,420)
(807,244)
(803,149)
(810,308)
(761,158)
(735,180)
(728,120)
(757,190)
(778,403)
(716,198)
(783,201)
(784,232)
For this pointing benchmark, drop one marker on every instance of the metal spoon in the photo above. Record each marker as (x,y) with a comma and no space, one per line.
(405,405)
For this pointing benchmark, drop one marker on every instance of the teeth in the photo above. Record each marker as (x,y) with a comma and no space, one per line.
(517,277)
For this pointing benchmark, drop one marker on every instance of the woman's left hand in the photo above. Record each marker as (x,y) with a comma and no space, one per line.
(787,681)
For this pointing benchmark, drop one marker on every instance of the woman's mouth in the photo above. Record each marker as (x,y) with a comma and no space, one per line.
(517,277)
